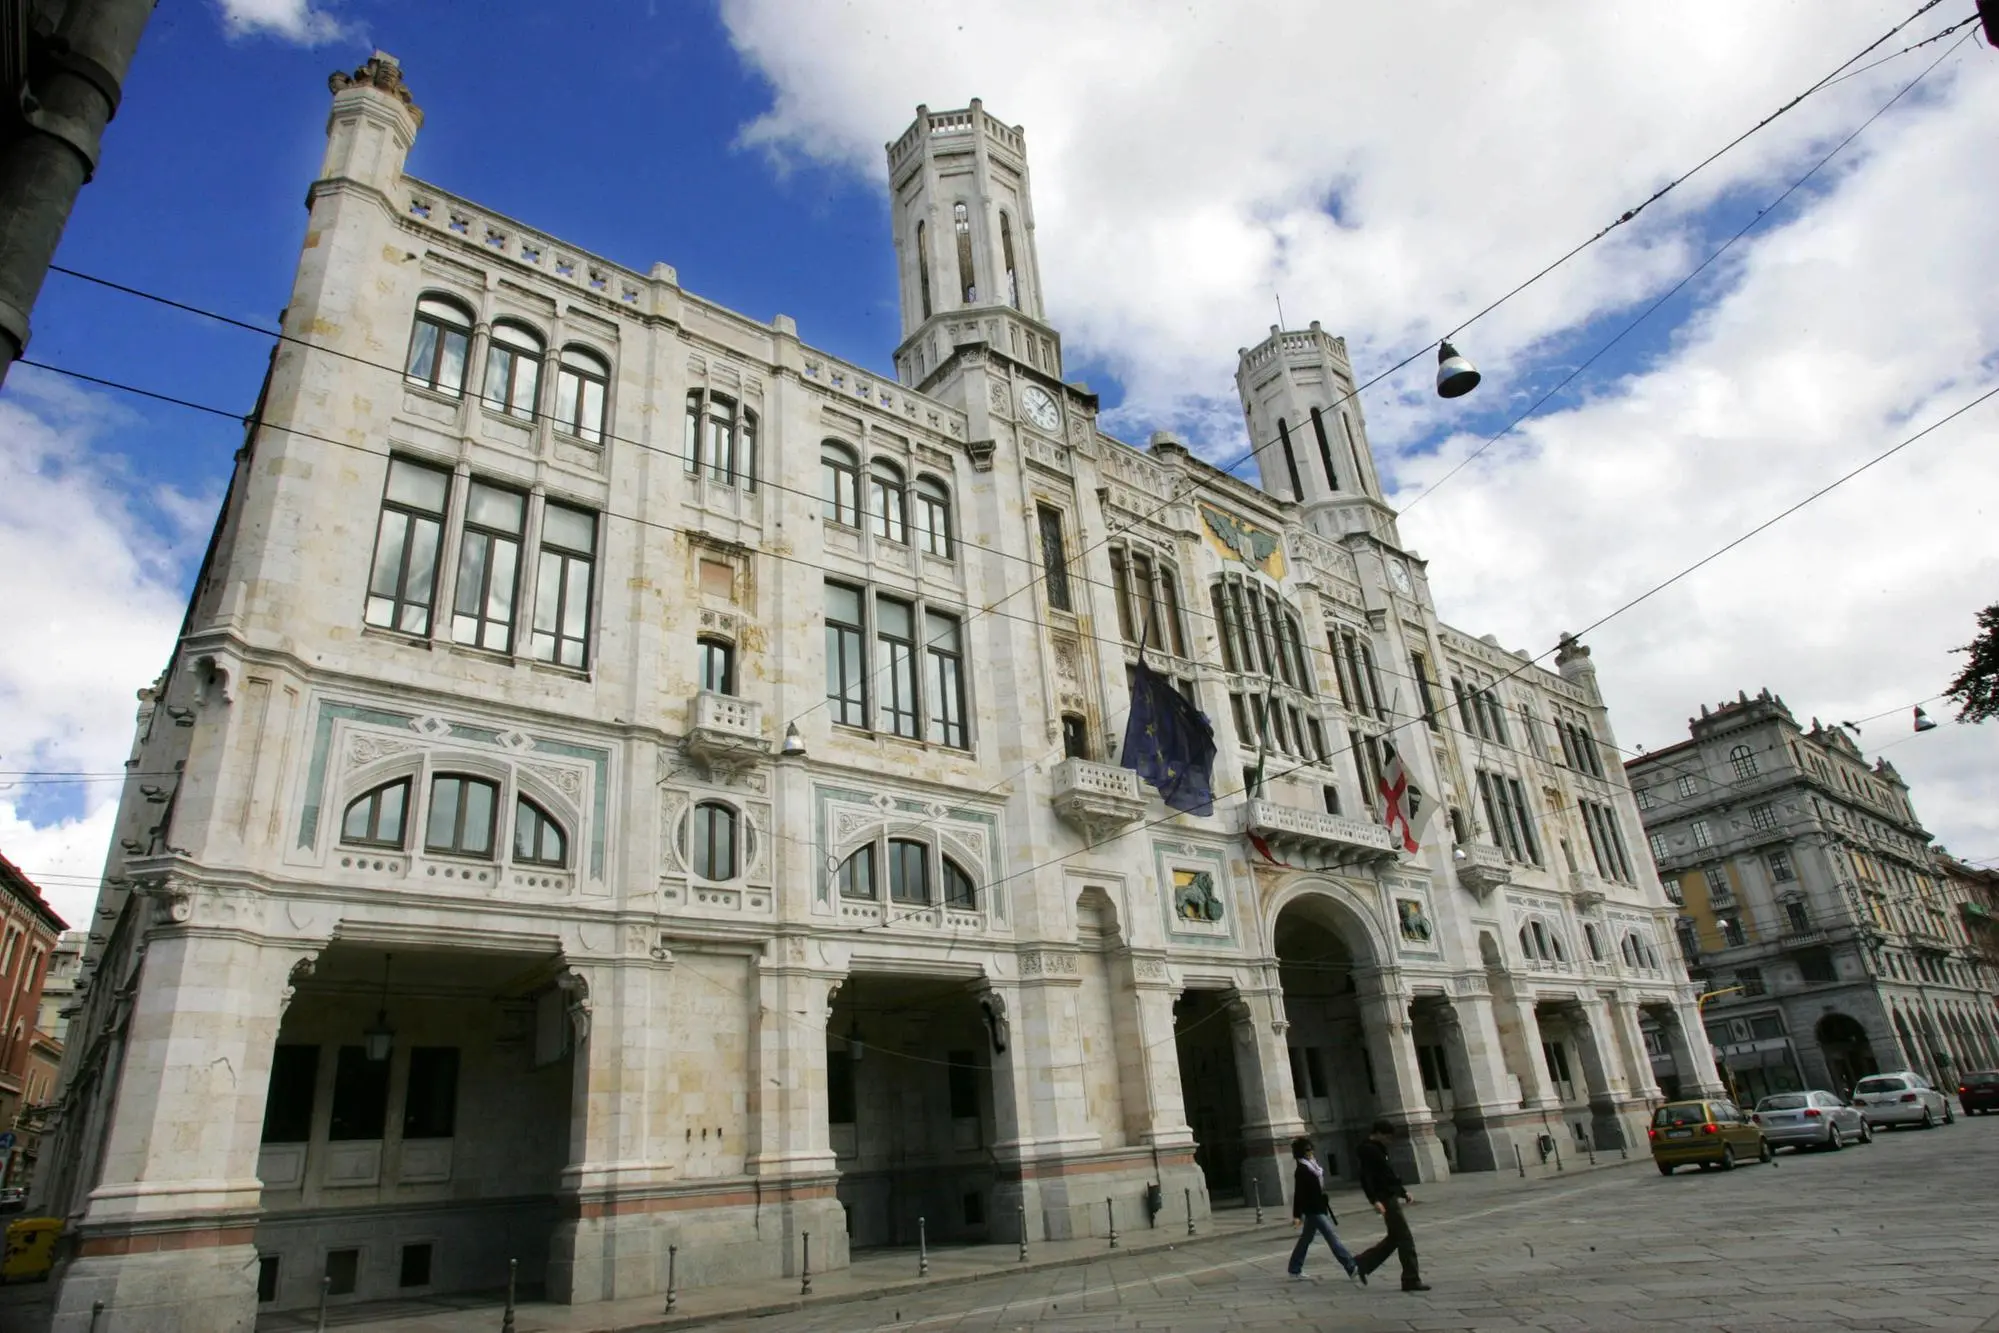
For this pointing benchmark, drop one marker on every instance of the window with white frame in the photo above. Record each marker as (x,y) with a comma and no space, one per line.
(582,383)
(489,552)
(715,665)
(513,369)
(1657,842)
(932,504)
(1686,785)
(462,811)
(911,682)
(888,502)
(840,483)
(1743,760)
(562,586)
(440,336)
(1703,836)
(1606,841)
(1762,818)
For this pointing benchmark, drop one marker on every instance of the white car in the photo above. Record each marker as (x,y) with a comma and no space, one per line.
(1901,1098)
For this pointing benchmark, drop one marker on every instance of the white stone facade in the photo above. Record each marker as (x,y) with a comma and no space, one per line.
(531,753)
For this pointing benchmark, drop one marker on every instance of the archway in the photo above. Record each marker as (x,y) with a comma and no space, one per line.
(1204,1039)
(1337,1088)
(1849,1055)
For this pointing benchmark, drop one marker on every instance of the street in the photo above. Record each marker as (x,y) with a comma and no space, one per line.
(1890,1236)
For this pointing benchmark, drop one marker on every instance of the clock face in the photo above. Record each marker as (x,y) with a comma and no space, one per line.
(1400,574)
(1039,408)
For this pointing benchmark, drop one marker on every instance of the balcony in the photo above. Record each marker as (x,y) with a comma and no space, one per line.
(1805,939)
(727,733)
(1316,836)
(1481,868)
(1100,799)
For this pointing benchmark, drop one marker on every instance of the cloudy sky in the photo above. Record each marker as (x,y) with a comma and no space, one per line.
(1388,170)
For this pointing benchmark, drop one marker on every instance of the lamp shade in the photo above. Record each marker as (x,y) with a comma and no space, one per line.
(1456,376)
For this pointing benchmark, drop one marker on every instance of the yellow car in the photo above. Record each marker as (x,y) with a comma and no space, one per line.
(30,1252)
(1705,1134)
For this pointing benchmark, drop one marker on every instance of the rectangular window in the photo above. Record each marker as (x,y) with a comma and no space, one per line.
(1762,818)
(1318,737)
(1731,933)
(403,587)
(294,1084)
(1686,785)
(562,587)
(430,1105)
(943,646)
(1796,917)
(895,639)
(1816,966)
(1719,890)
(1464,706)
(1420,666)
(1751,980)
(343,1268)
(415,1266)
(1526,820)
(1702,836)
(1780,867)
(267,1278)
(1331,796)
(1596,847)
(1121,586)
(1494,723)
(1643,795)
(489,555)
(360,1096)
(1054,558)
(1657,842)
(1298,1084)
(964,1086)
(846,667)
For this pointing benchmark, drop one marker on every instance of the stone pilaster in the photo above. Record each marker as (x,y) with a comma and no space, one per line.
(1269,1109)
(1398,1082)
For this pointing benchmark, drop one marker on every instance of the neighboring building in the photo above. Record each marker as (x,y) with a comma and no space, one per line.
(28,931)
(645,781)
(59,984)
(44,1068)
(1806,880)
(1972,893)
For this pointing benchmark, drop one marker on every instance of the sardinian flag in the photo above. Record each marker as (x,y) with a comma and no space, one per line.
(1399,800)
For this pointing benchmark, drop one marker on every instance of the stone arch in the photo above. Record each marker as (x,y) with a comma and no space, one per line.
(1847,1050)
(1489,952)
(1333,906)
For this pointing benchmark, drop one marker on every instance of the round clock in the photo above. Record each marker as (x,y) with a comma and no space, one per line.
(1039,408)
(1399,574)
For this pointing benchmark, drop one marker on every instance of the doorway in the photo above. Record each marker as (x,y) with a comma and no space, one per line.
(1203,1034)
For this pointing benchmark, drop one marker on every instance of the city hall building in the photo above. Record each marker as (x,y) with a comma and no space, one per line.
(630,779)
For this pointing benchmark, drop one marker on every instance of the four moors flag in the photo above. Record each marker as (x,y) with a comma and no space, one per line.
(1401,802)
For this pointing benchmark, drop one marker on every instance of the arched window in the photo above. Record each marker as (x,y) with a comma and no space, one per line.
(439,338)
(1148,600)
(1744,760)
(581,382)
(461,815)
(857,874)
(1594,941)
(713,839)
(721,441)
(840,483)
(933,516)
(1353,449)
(961,224)
(1006,253)
(908,871)
(923,266)
(717,665)
(959,890)
(1290,460)
(538,839)
(888,503)
(1325,450)
(513,369)
(376,819)
(1631,950)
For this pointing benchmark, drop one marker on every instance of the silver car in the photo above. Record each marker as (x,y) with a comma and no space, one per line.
(1801,1120)
(1903,1097)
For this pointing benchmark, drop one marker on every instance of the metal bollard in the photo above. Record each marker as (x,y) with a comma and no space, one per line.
(1256,1200)
(922,1250)
(325,1290)
(1023,1233)
(1519,1162)
(1190,1211)
(672,1278)
(1558,1157)
(1110,1208)
(507,1320)
(96,1309)
(1589,1147)
(805,1277)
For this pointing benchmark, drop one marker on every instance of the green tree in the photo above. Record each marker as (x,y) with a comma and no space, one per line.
(1976,689)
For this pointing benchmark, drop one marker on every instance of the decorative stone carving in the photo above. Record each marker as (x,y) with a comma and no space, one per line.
(993,1005)
(301,971)
(1047,964)
(1415,925)
(1098,798)
(363,748)
(1194,897)
(1481,868)
(380,71)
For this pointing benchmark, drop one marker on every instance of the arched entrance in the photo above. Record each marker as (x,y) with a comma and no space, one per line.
(1333,1076)
(1204,1038)
(1849,1055)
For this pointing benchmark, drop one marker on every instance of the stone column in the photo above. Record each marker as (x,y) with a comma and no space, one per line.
(1693,1054)
(1053,1113)
(1385,1027)
(1520,1040)
(1638,1079)
(1590,1026)
(1149,1080)
(1263,1072)
(165,1241)
(1011,1189)
(1483,1104)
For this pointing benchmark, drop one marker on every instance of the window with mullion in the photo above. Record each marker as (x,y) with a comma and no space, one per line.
(462,811)
(895,634)
(582,379)
(888,504)
(933,517)
(562,587)
(402,589)
(840,482)
(846,672)
(714,853)
(717,666)
(1054,558)
(1121,590)
(375,819)
(538,839)
(513,370)
(908,871)
(944,652)
(489,552)
(439,339)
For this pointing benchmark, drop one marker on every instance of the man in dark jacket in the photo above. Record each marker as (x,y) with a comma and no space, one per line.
(1384,1190)
(1311,1212)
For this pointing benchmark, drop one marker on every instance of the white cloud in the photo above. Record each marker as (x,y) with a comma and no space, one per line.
(291,20)
(1390,169)
(91,601)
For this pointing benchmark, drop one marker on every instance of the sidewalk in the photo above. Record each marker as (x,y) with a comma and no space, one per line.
(886,1272)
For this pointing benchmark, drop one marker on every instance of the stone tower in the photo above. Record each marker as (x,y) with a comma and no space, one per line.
(964,243)
(1298,404)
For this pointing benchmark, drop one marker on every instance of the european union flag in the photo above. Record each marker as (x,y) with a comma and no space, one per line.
(1170,743)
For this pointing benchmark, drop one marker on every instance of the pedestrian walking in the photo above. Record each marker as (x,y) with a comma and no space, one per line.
(1384,1190)
(1313,1214)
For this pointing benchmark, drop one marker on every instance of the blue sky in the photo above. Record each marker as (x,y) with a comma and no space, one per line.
(1384,172)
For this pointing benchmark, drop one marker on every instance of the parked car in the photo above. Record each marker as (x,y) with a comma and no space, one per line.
(1815,1119)
(1705,1134)
(1979,1092)
(1903,1097)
